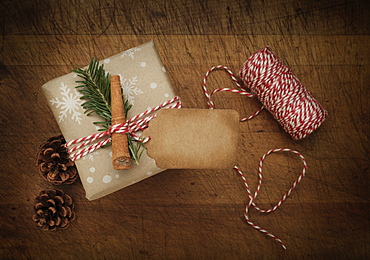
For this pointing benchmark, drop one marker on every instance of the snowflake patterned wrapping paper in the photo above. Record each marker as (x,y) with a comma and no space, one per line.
(144,83)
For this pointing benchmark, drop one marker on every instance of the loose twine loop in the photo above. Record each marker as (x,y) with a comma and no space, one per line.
(290,103)
(252,197)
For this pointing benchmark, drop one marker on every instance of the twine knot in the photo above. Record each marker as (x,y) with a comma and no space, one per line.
(132,126)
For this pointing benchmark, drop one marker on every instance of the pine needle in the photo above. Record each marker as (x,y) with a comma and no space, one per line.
(95,90)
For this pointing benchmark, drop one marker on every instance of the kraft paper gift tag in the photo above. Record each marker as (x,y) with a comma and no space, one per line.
(145,85)
(193,138)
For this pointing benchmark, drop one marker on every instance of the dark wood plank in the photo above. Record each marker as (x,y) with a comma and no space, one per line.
(283,17)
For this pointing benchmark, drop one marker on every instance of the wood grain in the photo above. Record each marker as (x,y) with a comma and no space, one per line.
(195,214)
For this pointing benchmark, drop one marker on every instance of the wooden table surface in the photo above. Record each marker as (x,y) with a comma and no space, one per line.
(195,214)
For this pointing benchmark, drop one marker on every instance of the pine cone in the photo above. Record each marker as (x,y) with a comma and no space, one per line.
(53,209)
(53,162)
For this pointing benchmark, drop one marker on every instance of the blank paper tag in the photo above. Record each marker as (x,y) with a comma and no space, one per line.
(193,138)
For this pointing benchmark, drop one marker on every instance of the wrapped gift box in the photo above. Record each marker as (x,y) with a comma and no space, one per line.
(145,85)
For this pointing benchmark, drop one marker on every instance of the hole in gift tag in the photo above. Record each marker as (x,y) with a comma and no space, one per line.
(193,138)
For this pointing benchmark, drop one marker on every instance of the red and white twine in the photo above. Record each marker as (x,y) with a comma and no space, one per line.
(131,127)
(282,94)
(240,90)
(252,197)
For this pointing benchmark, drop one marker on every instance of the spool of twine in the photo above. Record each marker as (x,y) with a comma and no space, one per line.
(282,94)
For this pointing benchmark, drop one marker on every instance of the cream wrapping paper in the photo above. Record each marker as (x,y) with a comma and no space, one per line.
(145,85)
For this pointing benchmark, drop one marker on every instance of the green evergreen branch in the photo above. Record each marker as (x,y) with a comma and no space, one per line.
(95,90)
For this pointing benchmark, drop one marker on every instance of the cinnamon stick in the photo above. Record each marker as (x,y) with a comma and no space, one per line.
(120,152)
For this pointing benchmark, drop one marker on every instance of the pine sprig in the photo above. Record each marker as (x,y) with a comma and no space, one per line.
(95,90)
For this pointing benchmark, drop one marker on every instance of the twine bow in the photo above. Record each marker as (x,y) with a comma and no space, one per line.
(131,127)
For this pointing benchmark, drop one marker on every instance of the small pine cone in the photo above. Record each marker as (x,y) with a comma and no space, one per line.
(53,209)
(53,162)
